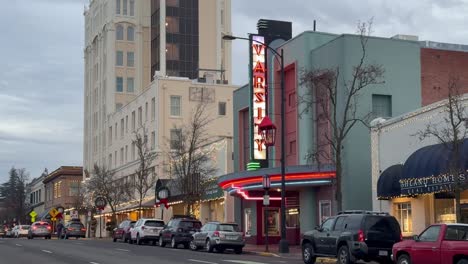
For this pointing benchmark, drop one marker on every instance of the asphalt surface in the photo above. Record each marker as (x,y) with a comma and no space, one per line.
(73,251)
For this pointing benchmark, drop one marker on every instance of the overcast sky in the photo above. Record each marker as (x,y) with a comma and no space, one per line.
(41,68)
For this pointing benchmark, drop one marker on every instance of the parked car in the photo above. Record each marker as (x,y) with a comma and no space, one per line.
(219,236)
(20,231)
(123,231)
(9,232)
(3,232)
(146,230)
(438,244)
(179,231)
(352,236)
(40,229)
(73,229)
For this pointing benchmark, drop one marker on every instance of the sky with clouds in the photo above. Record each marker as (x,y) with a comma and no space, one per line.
(41,72)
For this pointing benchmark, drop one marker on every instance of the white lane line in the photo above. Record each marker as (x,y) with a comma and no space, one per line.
(78,243)
(243,262)
(47,251)
(19,245)
(201,261)
(121,249)
(93,262)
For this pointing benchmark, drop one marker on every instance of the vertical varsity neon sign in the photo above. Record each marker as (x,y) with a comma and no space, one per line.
(258,94)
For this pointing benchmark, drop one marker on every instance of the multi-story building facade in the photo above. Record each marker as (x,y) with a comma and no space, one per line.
(62,188)
(193,68)
(186,38)
(36,194)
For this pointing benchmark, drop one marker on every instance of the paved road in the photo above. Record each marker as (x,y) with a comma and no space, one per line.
(23,251)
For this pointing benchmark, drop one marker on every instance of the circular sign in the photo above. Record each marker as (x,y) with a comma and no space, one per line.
(163,193)
(100,202)
(60,209)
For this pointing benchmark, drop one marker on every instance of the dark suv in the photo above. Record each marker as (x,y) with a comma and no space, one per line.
(352,236)
(179,231)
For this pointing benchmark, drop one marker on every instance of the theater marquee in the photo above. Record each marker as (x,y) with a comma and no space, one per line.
(258,96)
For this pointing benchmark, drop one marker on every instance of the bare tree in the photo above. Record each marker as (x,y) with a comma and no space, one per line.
(451,133)
(190,158)
(105,183)
(335,98)
(145,175)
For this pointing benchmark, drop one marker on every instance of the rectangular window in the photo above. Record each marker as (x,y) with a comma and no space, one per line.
(146,111)
(172,24)
(133,150)
(126,153)
(110,136)
(124,7)
(121,128)
(222,108)
(130,59)
(132,7)
(324,210)
(130,85)
(130,33)
(121,156)
(119,58)
(126,124)
(110,161)
(381,105)
(117,7)
(74,189)
(115,131)
(115,159)
(175,138)
(153,108)
(175,105)
(174,3)
(292,147)
(119,84)
(153,139)
(172,51)
(140,116)
(40,196)
(59,189)
(403,215)
(133,121)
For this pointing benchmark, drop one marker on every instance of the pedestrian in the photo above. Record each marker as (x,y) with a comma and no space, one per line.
(59,230)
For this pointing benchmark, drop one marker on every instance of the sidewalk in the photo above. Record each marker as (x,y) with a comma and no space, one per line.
(295,252)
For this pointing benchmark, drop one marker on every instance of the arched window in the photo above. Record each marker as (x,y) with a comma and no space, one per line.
(119,32)
(130,33)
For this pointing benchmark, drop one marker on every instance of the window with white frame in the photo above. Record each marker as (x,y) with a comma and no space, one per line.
(175,105)
(130,59)
(381,105)
(124,9)
(130,33)
(126,124)
(153,108)
(132,7)
(115,130)
(119,32)
(222,108)
(133,121)
(324,210)
(176,137)
(117,7)
(130,85)
(403,215)
(119,84)
(121,128)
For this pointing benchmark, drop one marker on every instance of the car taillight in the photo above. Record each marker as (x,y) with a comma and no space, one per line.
(70,229)
(216,234)
(34,227)
(83,229)
(48,227)
(361,236)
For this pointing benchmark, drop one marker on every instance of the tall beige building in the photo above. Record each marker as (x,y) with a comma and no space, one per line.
(132,82)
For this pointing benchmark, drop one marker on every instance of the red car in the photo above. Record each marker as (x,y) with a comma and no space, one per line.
(123,231)
(438,244)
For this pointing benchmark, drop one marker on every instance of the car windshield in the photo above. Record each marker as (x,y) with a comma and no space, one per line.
(190,224)
(154,223)
(77,225)
(228,228)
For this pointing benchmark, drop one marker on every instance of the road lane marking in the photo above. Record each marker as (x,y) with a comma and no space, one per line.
(47,251)
(121,249)
(19,245)
(243,262)
(93,262)
(78,243)
(201,261)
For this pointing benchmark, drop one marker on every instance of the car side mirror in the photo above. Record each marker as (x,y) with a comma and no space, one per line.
(319,228)
(416,238)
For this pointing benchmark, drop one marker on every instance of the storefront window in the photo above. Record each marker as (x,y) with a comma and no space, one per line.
(273,219)
(403,215)
(444,211)
(292,217)
(248,222)
(324,210)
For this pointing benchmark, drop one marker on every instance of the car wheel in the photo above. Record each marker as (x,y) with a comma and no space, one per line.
(343,255)
(404,259)
(161,242)
(192,245)
(173,243)
(138,240)
(238,250)
(463,261)
(208,246)
(308,254)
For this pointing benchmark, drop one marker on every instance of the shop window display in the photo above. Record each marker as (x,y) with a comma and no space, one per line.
(248,222)
(292,217)
(403,215)
(273,219)
(444,210)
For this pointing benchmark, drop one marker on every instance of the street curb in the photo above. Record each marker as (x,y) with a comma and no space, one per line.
(269,254)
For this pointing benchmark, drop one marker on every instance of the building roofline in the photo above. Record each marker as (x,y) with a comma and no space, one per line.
(64,170)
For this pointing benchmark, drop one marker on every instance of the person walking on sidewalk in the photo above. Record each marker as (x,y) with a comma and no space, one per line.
(59,230)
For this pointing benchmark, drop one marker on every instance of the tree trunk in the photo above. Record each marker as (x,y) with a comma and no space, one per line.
(338,169)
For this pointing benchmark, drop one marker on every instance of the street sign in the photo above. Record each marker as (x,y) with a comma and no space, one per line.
(100,203)
(74,214)
(266,199)
(33,214)
(53,219)
(89,213)
(60,209)
(53,212)
(33,219)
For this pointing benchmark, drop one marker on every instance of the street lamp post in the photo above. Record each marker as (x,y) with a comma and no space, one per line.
(283,244)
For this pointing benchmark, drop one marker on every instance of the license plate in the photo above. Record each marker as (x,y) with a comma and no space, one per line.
(155,230)
(383,253)
(231,237)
